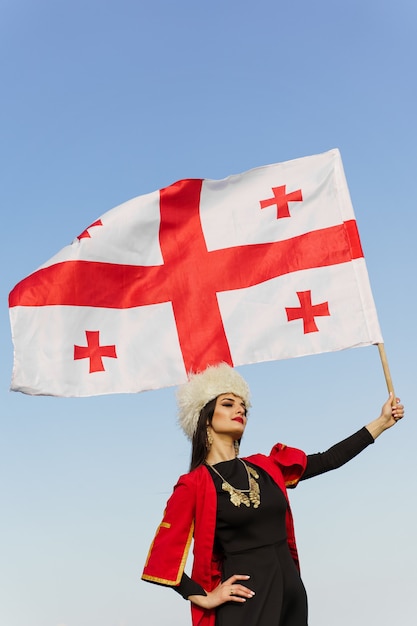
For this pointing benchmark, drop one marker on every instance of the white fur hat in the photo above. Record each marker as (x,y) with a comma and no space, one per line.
(193,395)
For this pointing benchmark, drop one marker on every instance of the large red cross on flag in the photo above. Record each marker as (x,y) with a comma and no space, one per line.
(259,266)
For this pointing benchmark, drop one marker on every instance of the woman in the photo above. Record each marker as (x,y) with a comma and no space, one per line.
(245,569)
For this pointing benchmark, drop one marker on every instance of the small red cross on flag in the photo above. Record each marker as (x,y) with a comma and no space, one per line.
(196,273)
(86,232)
(307,312)
(281,200)
(94,351)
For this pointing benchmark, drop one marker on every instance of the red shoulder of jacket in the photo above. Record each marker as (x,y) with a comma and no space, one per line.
(290,461)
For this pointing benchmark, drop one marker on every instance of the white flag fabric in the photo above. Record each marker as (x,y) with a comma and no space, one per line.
(260,266)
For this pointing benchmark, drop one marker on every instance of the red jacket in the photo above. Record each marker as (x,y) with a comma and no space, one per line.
(191,514)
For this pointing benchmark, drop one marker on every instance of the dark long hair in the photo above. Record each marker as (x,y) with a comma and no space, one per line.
(199,443)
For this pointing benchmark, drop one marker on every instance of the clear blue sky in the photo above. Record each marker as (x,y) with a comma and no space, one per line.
(104,101)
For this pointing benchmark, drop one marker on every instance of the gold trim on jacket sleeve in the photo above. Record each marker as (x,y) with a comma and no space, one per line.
(165,581)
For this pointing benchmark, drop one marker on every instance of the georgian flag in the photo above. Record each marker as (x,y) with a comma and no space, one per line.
(259,266)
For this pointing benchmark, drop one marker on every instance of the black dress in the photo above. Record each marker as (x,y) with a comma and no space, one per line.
(253,542)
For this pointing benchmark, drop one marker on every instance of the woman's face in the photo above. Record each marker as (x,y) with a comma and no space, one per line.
(229,415)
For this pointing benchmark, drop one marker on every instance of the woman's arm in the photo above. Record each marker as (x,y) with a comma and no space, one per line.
(188,587)
(345,450)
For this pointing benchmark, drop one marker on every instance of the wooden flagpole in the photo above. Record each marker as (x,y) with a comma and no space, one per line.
(385,367)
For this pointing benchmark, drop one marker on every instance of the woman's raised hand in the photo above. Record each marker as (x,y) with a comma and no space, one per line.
(391,413)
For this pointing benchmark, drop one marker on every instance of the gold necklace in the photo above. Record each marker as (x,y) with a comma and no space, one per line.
(242,496)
